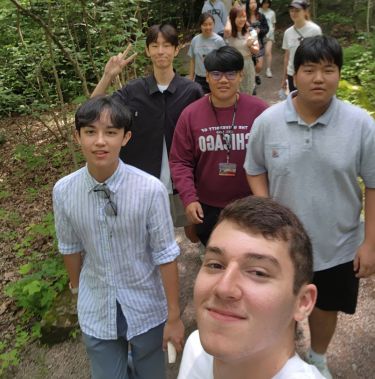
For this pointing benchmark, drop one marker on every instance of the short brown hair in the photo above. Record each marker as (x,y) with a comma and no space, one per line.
(260,215)
(168,31)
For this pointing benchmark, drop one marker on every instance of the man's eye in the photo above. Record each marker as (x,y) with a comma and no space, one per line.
(259,273)
(214,266)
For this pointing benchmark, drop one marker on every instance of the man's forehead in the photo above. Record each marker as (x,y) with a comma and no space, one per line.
(161,38)
(323,62)
(225,240)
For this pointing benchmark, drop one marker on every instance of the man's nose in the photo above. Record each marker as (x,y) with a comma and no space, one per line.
(318,76)
(227,287)
(223,78)
(100,139)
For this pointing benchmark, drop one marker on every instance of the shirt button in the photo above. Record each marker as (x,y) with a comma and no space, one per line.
(307,140)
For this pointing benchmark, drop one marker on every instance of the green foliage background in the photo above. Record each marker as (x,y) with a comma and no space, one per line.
(36,75)
(90,31)
(51,52)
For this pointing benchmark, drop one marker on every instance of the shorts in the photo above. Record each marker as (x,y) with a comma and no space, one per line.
(260,54)
(337,288)
(211,215)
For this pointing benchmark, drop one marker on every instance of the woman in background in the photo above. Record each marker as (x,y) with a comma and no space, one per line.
(270,16)
(259,23)
(245,40)
(200,46)
(302,27)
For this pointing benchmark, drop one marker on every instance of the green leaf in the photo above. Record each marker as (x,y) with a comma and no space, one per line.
(32,287)
(24,269)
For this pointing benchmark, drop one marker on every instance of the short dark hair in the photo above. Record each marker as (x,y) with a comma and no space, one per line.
(261,2)
(205,16)
(317,49)
(260,215)
(168,31)
(91,110)
(233,14)
(226,58)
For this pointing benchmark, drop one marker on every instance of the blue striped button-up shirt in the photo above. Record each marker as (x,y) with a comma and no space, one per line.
(121,253)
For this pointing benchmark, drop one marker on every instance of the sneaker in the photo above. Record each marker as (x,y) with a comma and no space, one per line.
(269,73)
(321,366)
(257,80)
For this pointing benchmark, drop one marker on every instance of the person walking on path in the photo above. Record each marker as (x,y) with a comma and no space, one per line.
(116,235)
(218,10)
(270,16)
(201,45)
(156,102)
(307,152)
(208,148)
(245,40)
(257,21)
(302,28)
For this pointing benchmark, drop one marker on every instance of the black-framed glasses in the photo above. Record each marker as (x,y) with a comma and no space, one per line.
(111,207)
(217,75)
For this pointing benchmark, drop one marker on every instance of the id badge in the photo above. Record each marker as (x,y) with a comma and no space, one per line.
(227,169)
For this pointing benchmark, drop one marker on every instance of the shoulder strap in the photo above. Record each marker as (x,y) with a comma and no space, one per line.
(301,37)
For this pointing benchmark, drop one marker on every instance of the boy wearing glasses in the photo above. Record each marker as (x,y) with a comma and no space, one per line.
(114,229)
(209,143)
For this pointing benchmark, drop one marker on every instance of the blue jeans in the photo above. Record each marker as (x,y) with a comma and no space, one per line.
(109,358)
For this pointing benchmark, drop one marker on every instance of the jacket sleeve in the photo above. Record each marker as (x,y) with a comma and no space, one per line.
(182,160)
(263,27)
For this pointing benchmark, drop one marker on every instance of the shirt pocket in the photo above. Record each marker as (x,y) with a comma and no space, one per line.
(277,157)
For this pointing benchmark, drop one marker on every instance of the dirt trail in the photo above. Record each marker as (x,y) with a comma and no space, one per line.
(351,354)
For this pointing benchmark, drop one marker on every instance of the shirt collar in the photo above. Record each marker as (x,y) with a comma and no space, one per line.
(292,116)
(113,182)
(153,85)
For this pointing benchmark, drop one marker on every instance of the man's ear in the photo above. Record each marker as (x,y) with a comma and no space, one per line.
(306,299)
(147,52)
(241,75)
(77,136)
(176,51)
(127,137)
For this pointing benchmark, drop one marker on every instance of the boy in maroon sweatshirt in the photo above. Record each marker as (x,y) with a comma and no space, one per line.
(209,144)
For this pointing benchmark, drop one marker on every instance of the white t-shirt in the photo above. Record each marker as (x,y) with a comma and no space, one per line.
(200,47)
(270,16)
(219,12)
(292,39)
(197,364)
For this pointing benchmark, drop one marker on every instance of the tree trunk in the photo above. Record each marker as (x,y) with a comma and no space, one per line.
(65,52)
(370,6)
